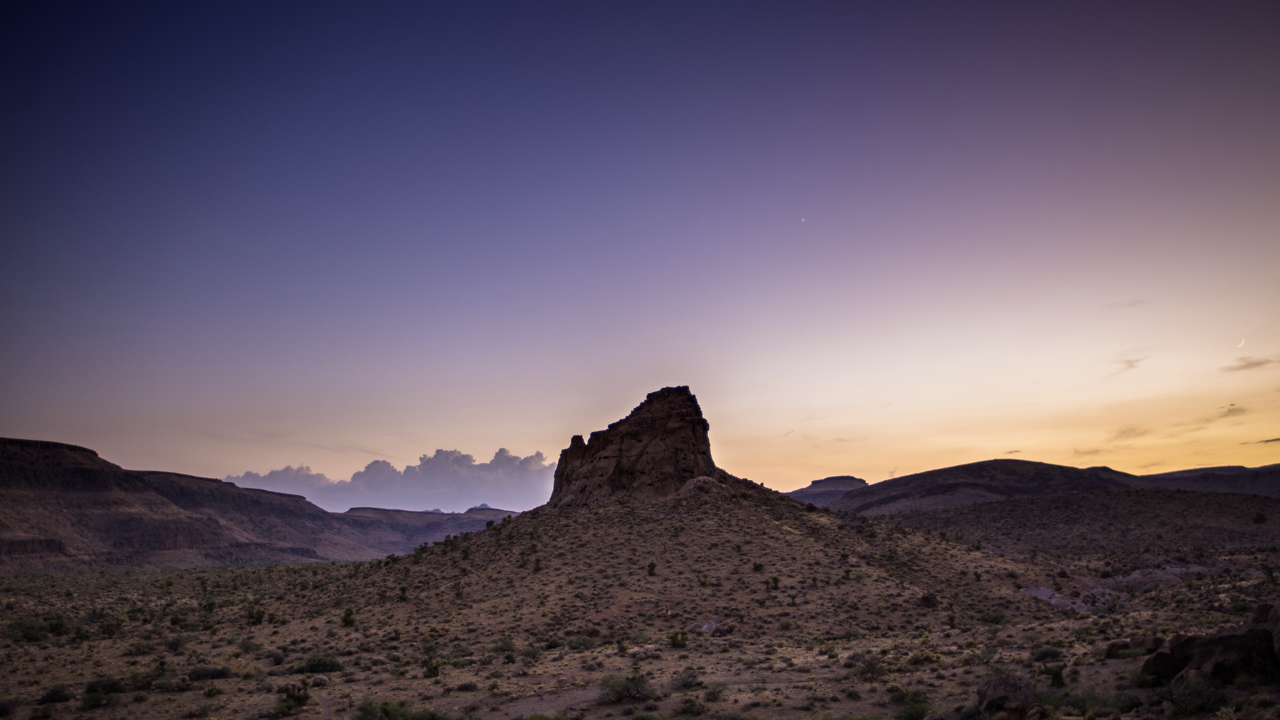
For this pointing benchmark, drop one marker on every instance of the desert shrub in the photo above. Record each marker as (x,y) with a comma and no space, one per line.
(28,630)
(139,648)
(208,673)
(993,617)
(713,694)
(915,703)
(104,686)
(653,568)
(348,617)
(630,688)
(908,697)
(7,706)
(317,664)
(690,706)
(292,699)
(679,639)
(1045,654)
(581,642)
(55,694)
(872,668)
(177,643)
(920,656)
(370,710)
(467,687)
(687,678)
(92,700)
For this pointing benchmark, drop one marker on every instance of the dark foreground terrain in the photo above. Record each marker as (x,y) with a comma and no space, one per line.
(726,600)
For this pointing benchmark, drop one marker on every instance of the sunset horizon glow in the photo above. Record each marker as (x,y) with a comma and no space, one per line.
(872,240)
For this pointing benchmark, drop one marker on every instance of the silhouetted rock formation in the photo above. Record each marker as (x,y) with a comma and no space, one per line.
(648,455)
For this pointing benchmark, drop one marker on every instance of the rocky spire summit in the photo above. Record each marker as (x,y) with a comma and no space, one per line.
(650,454)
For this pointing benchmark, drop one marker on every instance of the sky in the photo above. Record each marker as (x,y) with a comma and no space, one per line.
(418,246)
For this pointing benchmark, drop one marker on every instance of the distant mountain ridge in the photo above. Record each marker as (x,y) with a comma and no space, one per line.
(63,508)
(824,491)
(1003,479)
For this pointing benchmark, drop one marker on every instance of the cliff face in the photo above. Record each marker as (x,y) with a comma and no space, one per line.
(648,455)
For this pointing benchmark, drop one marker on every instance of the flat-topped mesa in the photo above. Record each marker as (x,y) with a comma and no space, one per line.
(648,455)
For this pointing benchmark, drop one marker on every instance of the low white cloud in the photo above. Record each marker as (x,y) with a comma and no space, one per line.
(449,480)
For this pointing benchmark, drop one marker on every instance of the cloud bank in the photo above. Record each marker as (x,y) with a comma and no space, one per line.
(448,480)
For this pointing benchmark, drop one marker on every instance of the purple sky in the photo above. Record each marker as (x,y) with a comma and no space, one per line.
(873,240)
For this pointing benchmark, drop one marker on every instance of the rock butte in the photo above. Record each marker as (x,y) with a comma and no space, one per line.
(648,455)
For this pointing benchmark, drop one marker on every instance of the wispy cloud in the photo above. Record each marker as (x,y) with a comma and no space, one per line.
(1262,442)
(1086,452)
(1225,412)
(1127,433)
(1127,364)
(1012,452)
(1248,363)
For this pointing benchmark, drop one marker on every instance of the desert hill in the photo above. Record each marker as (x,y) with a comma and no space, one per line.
(827,490)
(1003,479)
(66,509)
(972,483)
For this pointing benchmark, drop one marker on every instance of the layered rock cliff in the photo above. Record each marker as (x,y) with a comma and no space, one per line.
(648,455)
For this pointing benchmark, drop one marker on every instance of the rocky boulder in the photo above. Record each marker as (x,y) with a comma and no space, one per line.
(648,455)
(1010,695)
(1222,655)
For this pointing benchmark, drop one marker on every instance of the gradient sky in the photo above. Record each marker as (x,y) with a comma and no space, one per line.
(872,239)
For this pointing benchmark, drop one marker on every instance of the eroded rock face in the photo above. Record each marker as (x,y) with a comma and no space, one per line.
(1222,655)
(648,455)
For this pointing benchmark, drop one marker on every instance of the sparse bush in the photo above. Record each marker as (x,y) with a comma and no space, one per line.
(317,664)
(653,568)
(687,678)
(1045,654)
(630,688)
(348,617)
(7,706)
(993,617)
(93,700)
(690,706)
(293,698)
(105,686)
(55,694)
(201,674)
(713,694)
(679,639)
(370,710)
